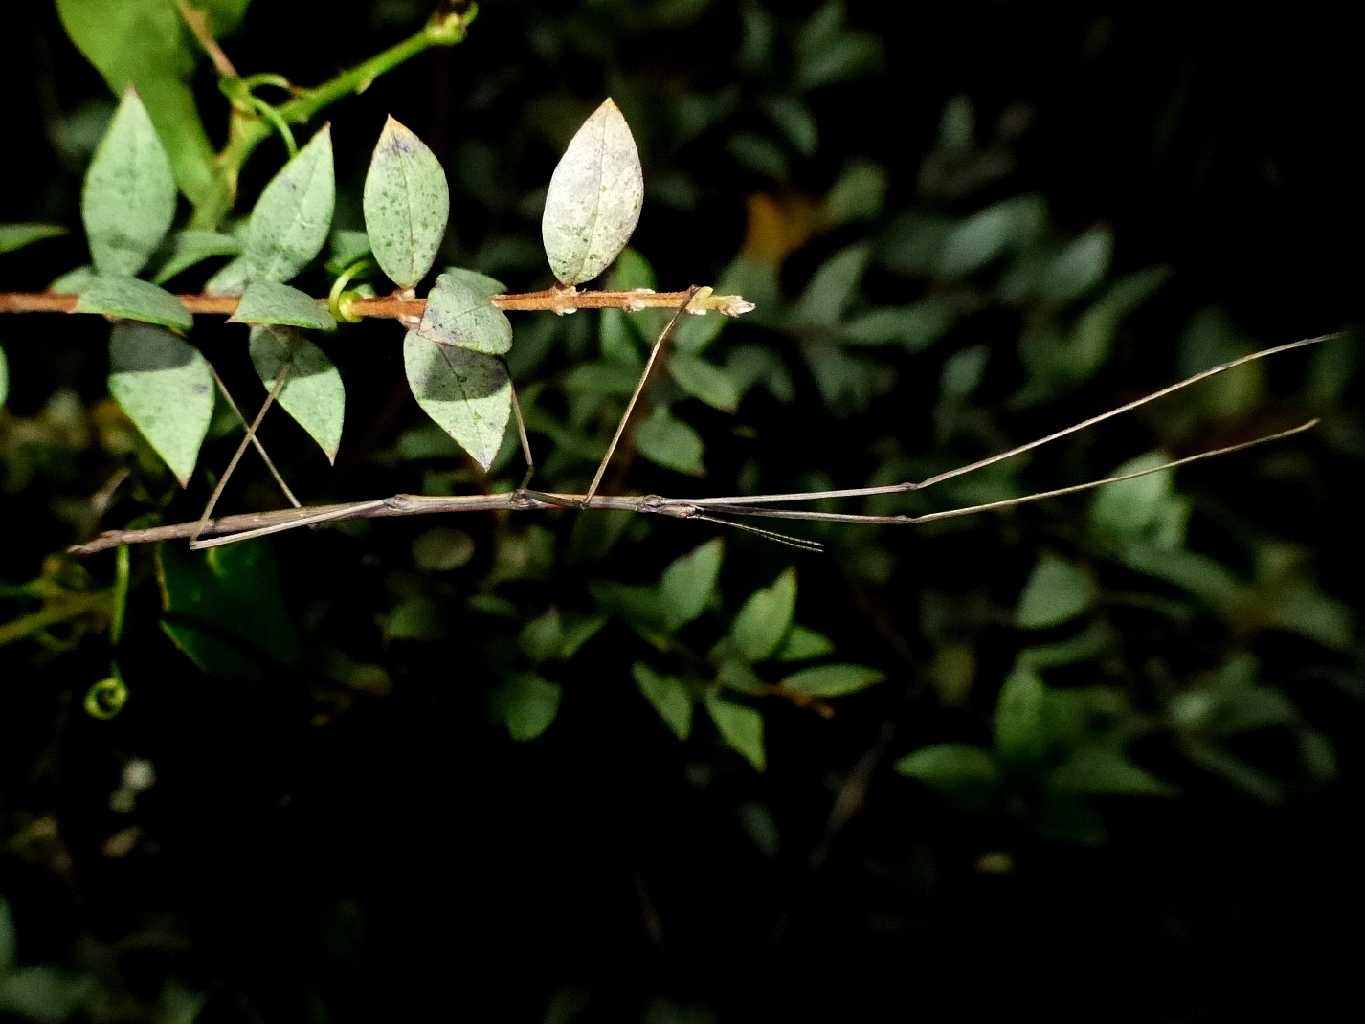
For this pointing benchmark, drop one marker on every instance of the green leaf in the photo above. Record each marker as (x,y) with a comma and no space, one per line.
(832,288)
(225,608)
(1078,268)
(859,194)
(1056,592)
(766,617)
(224,15)
(142,43)
(669,442)
(442,549)
(1130,508)
(46,994)
(269,302)
(314,394)
(540,638)
(957,770)
(1020,711)
(802,644)
(128,201)
(407,204)
(670,697)
(687,584)
(186,249)
(978,240)
(578,630)
(73,282)
(741,727)
(468,394)
(916,326)
(1103,770)
(16,236)
(289,225)
(701,379)
(165,387)
(527,705)
(831,680)
(594,199)
(8,961)
(4,378)
(128,298)
(459,313)
(231,278)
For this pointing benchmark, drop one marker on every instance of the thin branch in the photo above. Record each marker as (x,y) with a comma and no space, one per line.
(659,345)
(397,308)
(198,24)
(918,485)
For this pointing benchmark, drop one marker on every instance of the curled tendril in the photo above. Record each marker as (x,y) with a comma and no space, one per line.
(339,299)
(106,698)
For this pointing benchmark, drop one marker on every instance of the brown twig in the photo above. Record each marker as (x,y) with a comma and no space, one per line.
(396,308)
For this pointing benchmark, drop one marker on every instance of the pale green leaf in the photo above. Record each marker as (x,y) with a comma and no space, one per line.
(704,380)
(668,441)
(687,585)
(1132,507)
(4,378)
(1078,268)
(670,696)
(313,394)
(269,302)
(594,199)
(802,644)
(458,313)
(289,225)
(527,705)
(16,236)
(978,240)
(964,772)
(1056,592)
(129,298)
(165,387)
(1106,771)
(73,282)
(128,201)
(468,394)
(186,249)
(831,680)
(407,204)
(741,727)
(231,279)
(766,617)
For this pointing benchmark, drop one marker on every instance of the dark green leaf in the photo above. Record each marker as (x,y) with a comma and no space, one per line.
(831,680)
(442,549)
(1020,713)
(1056,592)
(766,617)
(741,727)
(527,705)
(701,379)
(687,584)
(16,236)
(802,644)
(669,442)
(832,288)
(1106,771)
(957,770)
(541,637)
(670,697)
(186,249)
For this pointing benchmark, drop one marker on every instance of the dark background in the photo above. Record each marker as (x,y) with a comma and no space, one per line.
(310,852)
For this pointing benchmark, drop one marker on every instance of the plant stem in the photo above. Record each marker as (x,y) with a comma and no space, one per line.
(396,308)
(246,132)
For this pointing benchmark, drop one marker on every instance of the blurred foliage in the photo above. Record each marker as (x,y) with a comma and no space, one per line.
(630,755)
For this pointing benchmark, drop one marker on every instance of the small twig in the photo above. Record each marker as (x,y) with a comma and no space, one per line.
(397,308)
(659,345)
(276,388)
(521,432)
(260,448)
(198,24)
